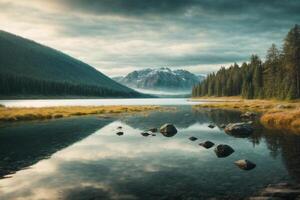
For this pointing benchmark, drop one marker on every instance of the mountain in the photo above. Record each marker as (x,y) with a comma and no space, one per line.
(31,69)
(161,79)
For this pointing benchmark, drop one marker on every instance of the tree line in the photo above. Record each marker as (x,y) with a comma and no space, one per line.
(11,85)
(277,77)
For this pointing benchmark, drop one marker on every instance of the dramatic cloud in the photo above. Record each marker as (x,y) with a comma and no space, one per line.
(117,36)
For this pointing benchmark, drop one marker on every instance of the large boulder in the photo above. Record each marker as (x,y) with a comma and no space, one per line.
(239,129)
(245,164)
(168,130)
(207,144)
(223,150)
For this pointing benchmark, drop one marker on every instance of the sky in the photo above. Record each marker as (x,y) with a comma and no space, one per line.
(119,36)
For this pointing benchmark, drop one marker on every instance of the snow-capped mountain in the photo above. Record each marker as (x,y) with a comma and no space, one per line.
(160,79)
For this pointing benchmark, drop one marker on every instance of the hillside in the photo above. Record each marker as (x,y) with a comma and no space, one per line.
(160,79)
(29,69)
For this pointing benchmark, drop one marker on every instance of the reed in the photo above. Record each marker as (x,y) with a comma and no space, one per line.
(26,114)
(274,114)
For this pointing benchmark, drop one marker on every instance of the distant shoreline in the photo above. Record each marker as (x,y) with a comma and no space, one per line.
(279,115)
(12,114)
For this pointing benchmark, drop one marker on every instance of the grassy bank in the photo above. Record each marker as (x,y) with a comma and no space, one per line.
(275,114)
(22,114)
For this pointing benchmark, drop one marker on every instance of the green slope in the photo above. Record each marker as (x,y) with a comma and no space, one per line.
(24,58)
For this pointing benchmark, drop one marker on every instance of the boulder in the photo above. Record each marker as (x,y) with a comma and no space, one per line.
(207,144)
(248,114)
(120,133)
(223,150)
(145,134)
(222,126)
(168,130)
(211,126)
(193,138)
(239,129)
(153,130)
(245,164)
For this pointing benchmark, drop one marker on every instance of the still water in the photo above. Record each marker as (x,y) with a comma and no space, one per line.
(97,102)
(83,158)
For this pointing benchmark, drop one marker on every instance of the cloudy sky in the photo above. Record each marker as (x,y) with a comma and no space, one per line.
(118,36)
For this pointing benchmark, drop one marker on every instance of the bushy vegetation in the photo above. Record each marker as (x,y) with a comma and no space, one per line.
(278,77)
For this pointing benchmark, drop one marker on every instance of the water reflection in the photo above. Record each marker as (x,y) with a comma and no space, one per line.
(23,144)
(107,166)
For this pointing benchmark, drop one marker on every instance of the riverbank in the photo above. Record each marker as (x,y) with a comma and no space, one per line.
(26,114)
(274,114)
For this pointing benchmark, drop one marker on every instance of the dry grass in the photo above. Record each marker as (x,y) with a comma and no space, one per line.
(275,114)
(22,114)
(282,120)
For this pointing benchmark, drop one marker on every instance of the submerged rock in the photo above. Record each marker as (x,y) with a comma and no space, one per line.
(211,126)
(193,138)
(207,144)
(245,164)
(153,134)
(248,114)
(168,130)
(120,133)
(239,129)
(153,130)
(145,134)
(223,150)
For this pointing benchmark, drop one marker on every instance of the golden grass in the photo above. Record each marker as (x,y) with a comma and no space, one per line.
(275,114)
(21,114)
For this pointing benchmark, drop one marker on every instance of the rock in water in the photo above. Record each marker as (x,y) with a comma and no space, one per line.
(223,150)
(145,134)
(168,130)
(211,126)
(193,138)
(245,164)
(153,134)
(248,115)
(119,127)
(153,130)
(222,126)
(120,133)
(239,129)
(207,144)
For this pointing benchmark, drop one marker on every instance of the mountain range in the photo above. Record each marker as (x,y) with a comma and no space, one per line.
(30,69)
(161,79)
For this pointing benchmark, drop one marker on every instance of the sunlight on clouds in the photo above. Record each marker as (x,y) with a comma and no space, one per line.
(116,39)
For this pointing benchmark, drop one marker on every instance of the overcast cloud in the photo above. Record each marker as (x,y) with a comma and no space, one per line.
(118,36)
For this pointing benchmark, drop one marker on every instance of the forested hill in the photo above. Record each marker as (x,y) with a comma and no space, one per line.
(31,69)
(277,77)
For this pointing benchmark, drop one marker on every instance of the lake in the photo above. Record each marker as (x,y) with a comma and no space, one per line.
(97,102)
(83,158)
